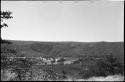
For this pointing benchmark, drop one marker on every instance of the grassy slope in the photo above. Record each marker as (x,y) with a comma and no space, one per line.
(68,49)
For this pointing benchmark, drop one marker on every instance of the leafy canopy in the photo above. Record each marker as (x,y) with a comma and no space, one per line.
(5,15)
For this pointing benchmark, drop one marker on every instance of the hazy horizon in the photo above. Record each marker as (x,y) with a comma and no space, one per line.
(80,21)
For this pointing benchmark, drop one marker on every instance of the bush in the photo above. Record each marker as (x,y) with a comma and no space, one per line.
(110,65)
(103,66)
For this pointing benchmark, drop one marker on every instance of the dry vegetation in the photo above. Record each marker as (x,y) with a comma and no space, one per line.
(99,59)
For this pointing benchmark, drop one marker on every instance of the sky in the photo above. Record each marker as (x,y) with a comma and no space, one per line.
(82,21)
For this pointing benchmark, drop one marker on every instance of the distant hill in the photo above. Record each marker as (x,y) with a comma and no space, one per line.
(68,49)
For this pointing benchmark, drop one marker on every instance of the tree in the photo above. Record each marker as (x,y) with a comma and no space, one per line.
(5,15)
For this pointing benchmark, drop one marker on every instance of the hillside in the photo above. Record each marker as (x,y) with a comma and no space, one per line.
(68,49)
(91,59)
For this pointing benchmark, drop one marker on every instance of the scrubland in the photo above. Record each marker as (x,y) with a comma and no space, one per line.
(94,61)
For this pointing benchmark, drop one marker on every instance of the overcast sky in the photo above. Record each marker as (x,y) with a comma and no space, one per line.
(64,21)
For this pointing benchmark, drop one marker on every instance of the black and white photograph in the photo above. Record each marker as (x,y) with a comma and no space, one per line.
(62,40)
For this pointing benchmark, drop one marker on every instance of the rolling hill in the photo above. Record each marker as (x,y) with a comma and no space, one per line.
(67,49)
(93,59)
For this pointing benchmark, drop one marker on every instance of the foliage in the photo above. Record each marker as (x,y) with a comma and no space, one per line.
(103,66)
(5,15)
(86,66)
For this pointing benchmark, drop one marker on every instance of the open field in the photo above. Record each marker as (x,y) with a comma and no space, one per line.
(37,61)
